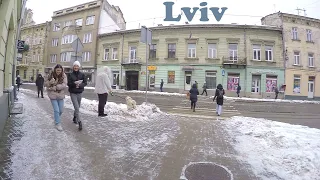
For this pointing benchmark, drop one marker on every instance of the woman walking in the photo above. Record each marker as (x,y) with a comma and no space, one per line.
(219,95)
(56,83)
(194,92)
(76,82)
(103,88)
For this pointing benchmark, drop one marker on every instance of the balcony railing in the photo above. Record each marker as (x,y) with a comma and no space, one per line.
(234,60)
(131,61)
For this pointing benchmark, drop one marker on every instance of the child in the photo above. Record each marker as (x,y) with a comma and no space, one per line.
(219,95)
(194,96)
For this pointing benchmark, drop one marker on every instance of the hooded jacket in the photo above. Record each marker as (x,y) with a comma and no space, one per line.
(103,81)
(194,92)
(219,100)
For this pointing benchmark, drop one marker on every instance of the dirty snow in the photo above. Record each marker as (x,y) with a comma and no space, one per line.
(40,151)
(270,100)
(276,150)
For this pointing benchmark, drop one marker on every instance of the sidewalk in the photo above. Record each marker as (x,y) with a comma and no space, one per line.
(111,148)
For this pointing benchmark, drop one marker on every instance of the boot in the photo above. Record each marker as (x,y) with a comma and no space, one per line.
(80,125)
(74,120)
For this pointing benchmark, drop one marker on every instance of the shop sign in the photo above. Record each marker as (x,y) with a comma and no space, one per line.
(264,71)
(152,68)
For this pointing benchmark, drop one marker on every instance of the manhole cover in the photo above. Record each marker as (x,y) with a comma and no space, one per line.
(205,171)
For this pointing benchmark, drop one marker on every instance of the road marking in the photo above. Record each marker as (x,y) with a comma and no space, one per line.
(208,109)
(199,116)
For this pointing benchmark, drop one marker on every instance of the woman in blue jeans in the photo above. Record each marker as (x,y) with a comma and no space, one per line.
(56,84)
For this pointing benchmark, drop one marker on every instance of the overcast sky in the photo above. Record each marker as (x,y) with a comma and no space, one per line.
(152,12)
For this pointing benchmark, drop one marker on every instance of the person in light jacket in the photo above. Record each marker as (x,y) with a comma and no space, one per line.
(56,84)
(103,88)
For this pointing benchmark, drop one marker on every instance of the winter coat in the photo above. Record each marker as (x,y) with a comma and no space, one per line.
(204,86)
(219,100)
(18,81)
(276,90)
(76,76)
(194,93)
(161,84)
(103,81)
(40,81)
(60,89)
(238,89)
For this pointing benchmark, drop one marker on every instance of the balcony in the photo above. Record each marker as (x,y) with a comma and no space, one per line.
(234,62)
(130,61)
(22,64)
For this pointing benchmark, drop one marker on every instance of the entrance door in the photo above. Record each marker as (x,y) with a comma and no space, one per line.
(255,84)
(152,80)
(132,80)
(187,84)
(310,89)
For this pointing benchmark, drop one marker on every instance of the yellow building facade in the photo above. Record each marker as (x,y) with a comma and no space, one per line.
(302,50)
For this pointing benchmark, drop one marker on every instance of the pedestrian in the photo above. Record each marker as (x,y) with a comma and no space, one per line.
(39,84)
(196,84)
(76,83)
(238,90)
(18,82)
(194,92)
(56,84)
(204,87)
(219,96)
(161,85)
(276,90)
(103,88)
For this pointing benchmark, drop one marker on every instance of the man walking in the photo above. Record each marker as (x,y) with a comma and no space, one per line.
(76,82)
(276,90)
(161,85)
(204,87)
(39,84)
(18,82)
(238,90)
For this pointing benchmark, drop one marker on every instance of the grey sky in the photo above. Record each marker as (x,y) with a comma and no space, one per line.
(152,12)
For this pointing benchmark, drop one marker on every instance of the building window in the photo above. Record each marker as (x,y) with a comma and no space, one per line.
(56,27)
(68,39)
(211,79)
(53,58)
(212,51)
(33,58)
(296,58)
(257,52)
(115,80)
(114,53)
(66,56)
(171,77)
(233,52)
(38,58)
(153,51)
(106,54)
(233,82)
(86,56)
(172,50)
(87,38)
(269,53)
(24,74)
(295,33)
(67,23)
(311,60)
(296,84)
(90,20)
(133,53)
(271,83)
(309,35)
(191,50)
(78,22)
(55,42)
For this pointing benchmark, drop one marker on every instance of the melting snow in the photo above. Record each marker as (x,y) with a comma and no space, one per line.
(270,100)
(276,150)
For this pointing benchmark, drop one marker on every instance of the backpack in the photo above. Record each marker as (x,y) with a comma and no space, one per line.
(220,93)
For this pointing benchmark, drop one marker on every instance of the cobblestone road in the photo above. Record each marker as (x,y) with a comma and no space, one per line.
(111,150)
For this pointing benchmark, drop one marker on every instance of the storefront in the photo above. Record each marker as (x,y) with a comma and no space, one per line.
(152,77)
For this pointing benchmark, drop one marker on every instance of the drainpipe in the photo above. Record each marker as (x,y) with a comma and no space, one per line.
(284,53)
(122,45)
(245,55)
(16,49)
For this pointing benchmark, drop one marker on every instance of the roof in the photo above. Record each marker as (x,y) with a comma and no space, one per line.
(292,15)
(35,25)
(235,26)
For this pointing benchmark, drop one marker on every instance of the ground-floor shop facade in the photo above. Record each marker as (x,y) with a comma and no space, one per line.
(302,84)
(29,73)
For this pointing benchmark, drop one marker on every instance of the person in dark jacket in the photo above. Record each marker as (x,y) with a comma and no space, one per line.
(76,82)
(204,87)
(161,85)
(276,91)
(18,82)
(219,96)
(194,96)
(238,90)
(39,84)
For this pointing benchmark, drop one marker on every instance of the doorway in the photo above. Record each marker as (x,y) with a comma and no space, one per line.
(256,84)
(310,88)
(152,80)
(187,84)
(132,80)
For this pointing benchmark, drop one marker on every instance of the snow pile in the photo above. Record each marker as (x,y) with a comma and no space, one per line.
(270,100)
(153,92)
(276,150)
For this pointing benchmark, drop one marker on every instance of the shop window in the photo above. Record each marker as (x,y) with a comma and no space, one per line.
(211,79)
(271,83)
(171,77)
(233,82)
(296,83)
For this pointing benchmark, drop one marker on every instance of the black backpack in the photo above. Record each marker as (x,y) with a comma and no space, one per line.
(220,93)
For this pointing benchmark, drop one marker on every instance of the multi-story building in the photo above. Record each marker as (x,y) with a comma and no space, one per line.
(302,51)
(33,57)
(180,55)
(10,13)
(74,32)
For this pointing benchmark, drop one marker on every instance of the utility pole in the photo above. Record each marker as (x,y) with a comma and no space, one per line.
(146,37)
